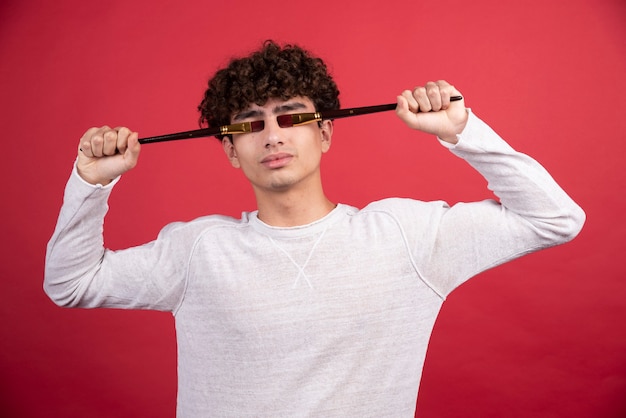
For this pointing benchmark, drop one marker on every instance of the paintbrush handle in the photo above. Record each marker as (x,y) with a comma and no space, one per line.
(228,129)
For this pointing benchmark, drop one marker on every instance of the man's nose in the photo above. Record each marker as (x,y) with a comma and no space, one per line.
(273,133)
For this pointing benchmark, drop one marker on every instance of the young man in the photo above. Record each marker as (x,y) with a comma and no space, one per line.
(305,307)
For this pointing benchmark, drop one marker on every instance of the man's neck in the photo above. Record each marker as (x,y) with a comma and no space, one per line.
(292,208)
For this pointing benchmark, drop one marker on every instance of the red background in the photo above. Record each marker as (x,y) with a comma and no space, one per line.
(544,336)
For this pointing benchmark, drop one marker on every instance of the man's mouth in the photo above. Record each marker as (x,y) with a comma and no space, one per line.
(277,160)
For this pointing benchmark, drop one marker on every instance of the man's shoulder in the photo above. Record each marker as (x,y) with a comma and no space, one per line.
(205,223)
(402,210)
(402,204)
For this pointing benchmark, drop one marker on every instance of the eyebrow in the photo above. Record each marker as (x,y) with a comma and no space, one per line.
(247,114)
(255,113)
(287,107)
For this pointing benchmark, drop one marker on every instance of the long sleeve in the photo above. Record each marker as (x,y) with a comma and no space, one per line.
(79,271)
(533,212)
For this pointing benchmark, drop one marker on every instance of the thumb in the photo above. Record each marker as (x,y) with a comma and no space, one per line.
(131,154)
(404,112)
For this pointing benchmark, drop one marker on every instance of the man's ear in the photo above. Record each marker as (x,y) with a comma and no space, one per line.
(327,133)
(230,151)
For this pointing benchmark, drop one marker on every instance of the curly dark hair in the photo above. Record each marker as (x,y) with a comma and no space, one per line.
(271,72)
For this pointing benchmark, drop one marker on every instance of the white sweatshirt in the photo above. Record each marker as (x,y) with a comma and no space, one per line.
(327,319)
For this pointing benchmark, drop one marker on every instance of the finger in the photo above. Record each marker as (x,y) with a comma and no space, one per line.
(109,144)
(95,142)
(122,138)
(446,91)
(433,94)
(84,146)
(402,108)
(412,104)
(421,97)
(404,111)
(131,153)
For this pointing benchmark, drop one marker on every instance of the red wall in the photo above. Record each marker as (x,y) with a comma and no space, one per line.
(543,336)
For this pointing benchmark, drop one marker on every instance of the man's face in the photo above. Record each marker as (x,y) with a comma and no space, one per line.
(278,159)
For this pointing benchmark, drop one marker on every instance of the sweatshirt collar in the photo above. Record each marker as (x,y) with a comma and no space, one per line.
(295,231)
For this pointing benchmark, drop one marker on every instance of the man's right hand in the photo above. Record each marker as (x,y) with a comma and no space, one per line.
(106,153)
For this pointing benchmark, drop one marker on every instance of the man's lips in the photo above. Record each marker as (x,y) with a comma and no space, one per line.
(277,160)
